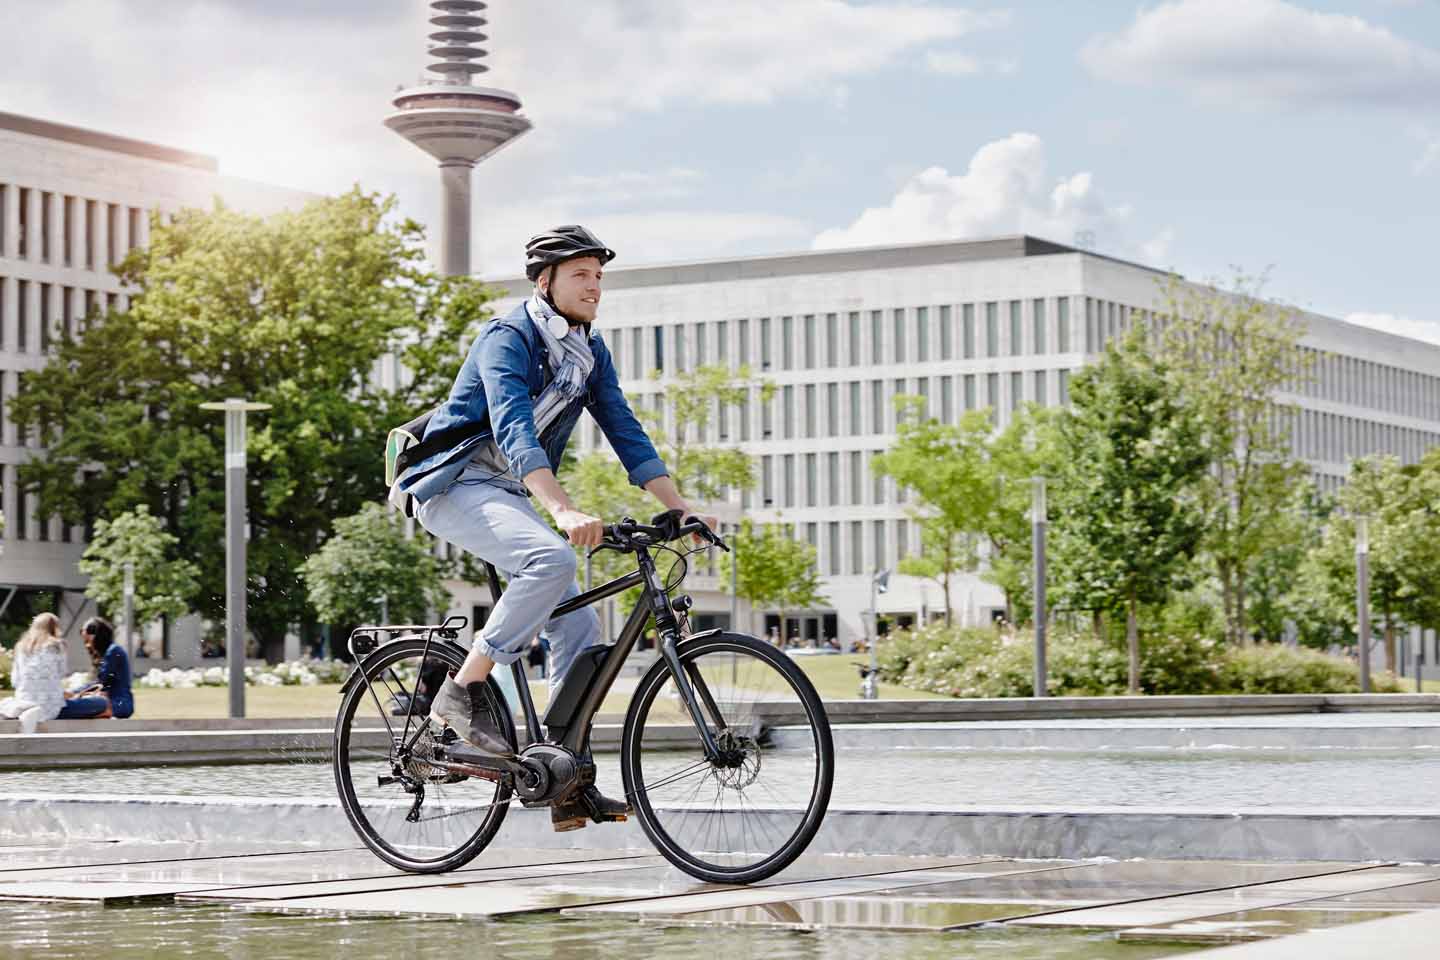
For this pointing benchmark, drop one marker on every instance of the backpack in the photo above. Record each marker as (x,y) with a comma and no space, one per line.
(407,445)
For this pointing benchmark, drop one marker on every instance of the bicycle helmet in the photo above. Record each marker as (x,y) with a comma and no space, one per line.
(554,247)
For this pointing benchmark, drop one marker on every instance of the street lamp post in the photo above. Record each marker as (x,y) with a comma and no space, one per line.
(235,596)
(129,594)
(1362,597)
(1037,541)
(879,583)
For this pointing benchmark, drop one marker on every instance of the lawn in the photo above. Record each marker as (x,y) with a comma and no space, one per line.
(834,677)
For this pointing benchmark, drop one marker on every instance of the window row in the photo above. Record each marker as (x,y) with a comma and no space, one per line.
(813,341)
(1365,383)
(864,407)
(66,230)
(22,522)
(33,315)
(1332,438)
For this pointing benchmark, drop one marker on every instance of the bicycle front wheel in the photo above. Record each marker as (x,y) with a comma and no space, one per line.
(411,813)
(749,815)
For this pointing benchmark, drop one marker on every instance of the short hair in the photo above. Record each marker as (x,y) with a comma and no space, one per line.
(102,634)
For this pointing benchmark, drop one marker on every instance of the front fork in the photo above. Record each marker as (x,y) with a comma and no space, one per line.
(671,630)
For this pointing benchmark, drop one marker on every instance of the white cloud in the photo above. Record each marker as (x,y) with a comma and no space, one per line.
(631,55)
(1429,158)
(1398,324)
(957,63)
(1005,190)
(1157,248)
(1267,51)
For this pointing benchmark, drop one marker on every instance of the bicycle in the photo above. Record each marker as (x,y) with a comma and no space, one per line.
(712,789)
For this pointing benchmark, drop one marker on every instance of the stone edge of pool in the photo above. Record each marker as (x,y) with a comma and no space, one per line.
(1404,835)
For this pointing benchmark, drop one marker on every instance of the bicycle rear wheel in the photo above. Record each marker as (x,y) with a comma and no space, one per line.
(750,816)
(412,814)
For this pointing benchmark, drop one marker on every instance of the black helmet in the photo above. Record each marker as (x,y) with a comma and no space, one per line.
(561,244)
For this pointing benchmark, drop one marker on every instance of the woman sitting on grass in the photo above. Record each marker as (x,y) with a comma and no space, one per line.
(110,695)
(39,675)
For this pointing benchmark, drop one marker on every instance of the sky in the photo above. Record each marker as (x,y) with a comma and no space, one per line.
(1299,140)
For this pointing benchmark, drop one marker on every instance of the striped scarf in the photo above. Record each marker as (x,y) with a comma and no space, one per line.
(570,361)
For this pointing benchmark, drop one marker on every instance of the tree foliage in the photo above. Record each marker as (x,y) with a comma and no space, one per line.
(370,557)
(164,582)
(773,569)
(1127,524)
(1232,353)
(298,311)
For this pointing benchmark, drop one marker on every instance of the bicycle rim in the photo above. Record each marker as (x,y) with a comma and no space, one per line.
(457,815)
(748,820)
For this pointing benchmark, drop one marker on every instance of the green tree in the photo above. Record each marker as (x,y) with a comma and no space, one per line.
(299,311)
(1126,524)
(1232,352)
(773,569)
(164,583)
(1028,447)
(945,466)
(370,557)
(1419,545)
(1272,581)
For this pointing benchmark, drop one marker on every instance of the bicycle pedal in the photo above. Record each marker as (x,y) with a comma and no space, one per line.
(565,826)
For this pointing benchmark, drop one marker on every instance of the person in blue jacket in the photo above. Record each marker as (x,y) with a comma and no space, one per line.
(111,692)
(528,376)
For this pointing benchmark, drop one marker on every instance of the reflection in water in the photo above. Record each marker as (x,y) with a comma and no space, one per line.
(78,932)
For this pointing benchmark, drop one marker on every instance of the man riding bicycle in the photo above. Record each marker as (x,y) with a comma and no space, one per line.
(530,373)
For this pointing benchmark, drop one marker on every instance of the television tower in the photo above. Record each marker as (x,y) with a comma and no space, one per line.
(455,121)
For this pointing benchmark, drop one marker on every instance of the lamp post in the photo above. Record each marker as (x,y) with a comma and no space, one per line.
(1362,597)
(1037,550)
(879,583)
(235,596)
(129,595)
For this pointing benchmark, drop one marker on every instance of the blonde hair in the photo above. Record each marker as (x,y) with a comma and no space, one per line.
(44,632)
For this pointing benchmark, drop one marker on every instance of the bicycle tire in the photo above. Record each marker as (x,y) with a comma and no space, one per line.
(381,659)
(633,770)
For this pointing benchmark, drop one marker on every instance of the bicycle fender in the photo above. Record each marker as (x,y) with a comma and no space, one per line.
(358,669)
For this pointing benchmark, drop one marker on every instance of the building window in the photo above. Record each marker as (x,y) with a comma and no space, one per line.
(1091,340)
(854,354)
(742,341)
(902,540)
(879,536)
(877,482)
(857,476)
(947,335)
(947,399)
(857,547)
(856,421)
(722,343)
(812,480)
(832,340)
(787,412)
(1040,387)
(659,348)
(1064,387)
(787,343)
(787,477)
(992,329)
(922,334)
(877,406)
(680,364)
(22,242)
(832,409)
(112,229)
(832,479)
(1062,324)
(134,228)
(899,317)
(767,418)
(877,337)
(809,341)
(700,344)
(67,214)
(970,392)
(1037,309)
(992,394)
(832,536)
(22,315)
(90,228)
(4,224)
(744,413)
(765,355)
(1017,390)
(1016,336)
(922,390)
(767,481)
(811,410)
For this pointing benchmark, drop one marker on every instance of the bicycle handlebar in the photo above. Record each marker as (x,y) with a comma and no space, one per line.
(628,534)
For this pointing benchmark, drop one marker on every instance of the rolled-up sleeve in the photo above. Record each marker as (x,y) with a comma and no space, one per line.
(612,411)
(503,363)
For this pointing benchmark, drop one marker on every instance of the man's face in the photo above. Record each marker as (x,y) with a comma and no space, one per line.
(576,290)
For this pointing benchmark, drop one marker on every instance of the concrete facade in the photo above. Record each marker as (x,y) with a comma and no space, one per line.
(73,202)
(965,325)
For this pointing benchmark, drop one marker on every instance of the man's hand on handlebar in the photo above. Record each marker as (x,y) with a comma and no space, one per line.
(711,522)
(579,528)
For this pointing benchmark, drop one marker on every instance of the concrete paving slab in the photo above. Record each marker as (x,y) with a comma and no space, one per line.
(1252,925)
(1411,896)
(409,881)
(92,891)
(1410,936)
(66,857)
(1197,906)
(898,911)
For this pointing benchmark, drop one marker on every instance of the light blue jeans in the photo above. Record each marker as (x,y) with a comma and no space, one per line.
(539,565)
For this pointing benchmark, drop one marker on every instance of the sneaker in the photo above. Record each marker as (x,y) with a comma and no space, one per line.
(466,711)
(587,804)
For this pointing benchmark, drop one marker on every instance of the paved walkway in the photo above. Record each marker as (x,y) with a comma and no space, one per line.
(1391,910)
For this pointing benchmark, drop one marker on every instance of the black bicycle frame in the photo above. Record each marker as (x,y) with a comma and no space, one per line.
(655,603)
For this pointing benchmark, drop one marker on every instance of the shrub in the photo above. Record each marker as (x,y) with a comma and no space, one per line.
(978,662)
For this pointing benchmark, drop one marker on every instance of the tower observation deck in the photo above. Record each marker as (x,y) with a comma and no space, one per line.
(454,120)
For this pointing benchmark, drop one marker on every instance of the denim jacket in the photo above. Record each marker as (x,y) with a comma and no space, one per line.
(503,374)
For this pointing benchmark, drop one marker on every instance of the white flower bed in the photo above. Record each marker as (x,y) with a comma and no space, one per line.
(305,672)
